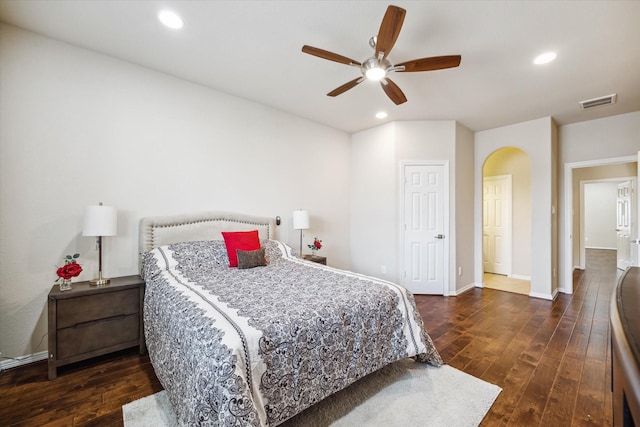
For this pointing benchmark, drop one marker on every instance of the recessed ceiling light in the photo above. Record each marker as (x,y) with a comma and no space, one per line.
(170,19)
(381,115)
(545,58)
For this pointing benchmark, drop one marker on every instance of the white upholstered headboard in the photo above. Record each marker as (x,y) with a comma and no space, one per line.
(164,230)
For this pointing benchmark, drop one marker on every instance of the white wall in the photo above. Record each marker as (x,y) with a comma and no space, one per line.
(373,210)
(78,127)
(600,215)
(536,138)
(464,213)
(614,136)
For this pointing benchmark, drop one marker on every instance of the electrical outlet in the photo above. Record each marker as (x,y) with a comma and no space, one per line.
(459,271)
(383,269)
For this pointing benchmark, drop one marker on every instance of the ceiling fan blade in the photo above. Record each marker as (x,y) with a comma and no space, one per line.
(325,54)
(345,87)
(393,91)
(389,30)
(429,64)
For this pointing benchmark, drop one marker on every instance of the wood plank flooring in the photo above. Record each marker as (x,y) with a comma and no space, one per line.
(551,358)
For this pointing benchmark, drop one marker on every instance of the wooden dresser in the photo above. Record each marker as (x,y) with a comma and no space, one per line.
(89,321)
(625,349)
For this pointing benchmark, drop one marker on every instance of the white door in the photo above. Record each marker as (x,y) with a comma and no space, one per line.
(424,228)
(496,224)
(623,224)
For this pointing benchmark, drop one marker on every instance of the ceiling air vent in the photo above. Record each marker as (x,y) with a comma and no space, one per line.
(597,102)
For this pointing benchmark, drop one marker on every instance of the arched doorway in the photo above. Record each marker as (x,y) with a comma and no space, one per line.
(506,220)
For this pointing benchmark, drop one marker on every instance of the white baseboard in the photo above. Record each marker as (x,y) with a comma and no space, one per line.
(549,297)
(564,291)
(463,289)
(22,360)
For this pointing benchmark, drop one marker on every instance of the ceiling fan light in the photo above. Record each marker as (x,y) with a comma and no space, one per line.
(375,74)
(373,69)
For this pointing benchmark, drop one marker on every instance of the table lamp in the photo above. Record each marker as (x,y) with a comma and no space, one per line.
(300,222)
(100,221)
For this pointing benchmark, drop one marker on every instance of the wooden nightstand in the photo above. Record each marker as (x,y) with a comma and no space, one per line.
(89,321)
(318,259)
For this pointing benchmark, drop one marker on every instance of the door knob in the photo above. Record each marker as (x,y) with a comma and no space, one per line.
(439,236)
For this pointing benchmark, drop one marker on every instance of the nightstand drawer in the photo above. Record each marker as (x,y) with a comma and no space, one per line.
(83,309)
(100,334)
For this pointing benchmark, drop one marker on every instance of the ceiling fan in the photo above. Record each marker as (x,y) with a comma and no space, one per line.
(378,67)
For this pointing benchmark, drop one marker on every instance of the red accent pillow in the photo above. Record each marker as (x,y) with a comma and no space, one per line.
(243,240)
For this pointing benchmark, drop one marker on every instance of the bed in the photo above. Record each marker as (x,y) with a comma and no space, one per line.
(256,346)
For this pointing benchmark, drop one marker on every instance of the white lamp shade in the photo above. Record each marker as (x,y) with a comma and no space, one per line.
(300,220)
(100,221)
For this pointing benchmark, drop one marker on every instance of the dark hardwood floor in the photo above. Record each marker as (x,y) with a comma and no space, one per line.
(551,358)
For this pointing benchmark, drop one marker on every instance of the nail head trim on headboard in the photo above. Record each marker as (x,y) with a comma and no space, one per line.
(164,230)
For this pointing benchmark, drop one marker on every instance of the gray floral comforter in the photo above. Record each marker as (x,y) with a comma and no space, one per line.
(254,347)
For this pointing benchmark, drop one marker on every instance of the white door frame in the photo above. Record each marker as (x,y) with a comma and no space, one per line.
(507,252)
(633,225)
(567,268)
(448,288)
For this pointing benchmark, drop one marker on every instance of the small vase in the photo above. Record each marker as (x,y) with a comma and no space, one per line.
(65,285)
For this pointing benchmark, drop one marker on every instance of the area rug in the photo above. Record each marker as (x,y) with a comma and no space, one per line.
(403,394)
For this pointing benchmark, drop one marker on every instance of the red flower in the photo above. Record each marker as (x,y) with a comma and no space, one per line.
(315,245)
(70,270)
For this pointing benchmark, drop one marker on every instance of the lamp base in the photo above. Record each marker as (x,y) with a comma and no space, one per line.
(100,281)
